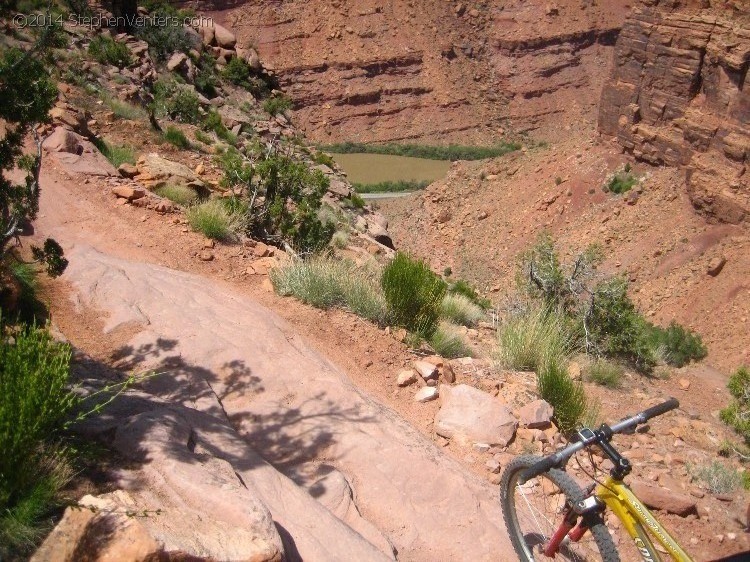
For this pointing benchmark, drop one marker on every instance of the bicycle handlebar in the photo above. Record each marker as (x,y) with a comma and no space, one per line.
(588,437)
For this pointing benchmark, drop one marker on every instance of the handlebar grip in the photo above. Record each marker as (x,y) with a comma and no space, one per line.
(542,466)
(662,408)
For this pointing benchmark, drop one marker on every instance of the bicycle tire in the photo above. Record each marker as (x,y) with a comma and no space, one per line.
(603,540)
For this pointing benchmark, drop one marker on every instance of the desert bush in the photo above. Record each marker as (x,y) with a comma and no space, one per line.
(206,78)
(114,153)
(277,104)
(163,31)
(180,194)
(460,310)
(533,338)
(326,283)
(237,71)
(203,137)
(678,345)
(124,110)
(106,50)
(35,403)
(291,199)
(414,294)
(605,373)
(340,239)
(737,413)
(567,397)
(716,477)
(451,152)
(448,341)
(176,137)
(214,220)
(354,201)
(179,103)
(324,159)
(461,287)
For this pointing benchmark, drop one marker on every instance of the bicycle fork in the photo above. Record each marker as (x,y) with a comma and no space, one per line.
(573,526)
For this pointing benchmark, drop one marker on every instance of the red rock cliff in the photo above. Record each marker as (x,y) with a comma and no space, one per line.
(678,97)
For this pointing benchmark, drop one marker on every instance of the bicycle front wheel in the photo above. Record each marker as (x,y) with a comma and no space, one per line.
(533,511)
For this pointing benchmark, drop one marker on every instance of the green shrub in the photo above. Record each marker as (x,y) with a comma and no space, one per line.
(460,310)
(717,477)
(179,103)
(451,152)
(354,201)
(115,154)
(35,403)
(326,283)
(324,159)
(340,239)
(605,373)
(106,50)
(531,339)
(292,195)
(238,72)
(164,35)
(203,137)
(447,341)
(414,294)
(621,182)
(206,78)
(567,397)
(737,414)
(461,287)
(277,104)
(678,345)
(180,194)
(391,186)
(214,220)
(125,110)
(176,137)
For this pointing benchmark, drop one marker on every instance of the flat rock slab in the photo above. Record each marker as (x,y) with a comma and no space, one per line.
(292,406)
(471,415)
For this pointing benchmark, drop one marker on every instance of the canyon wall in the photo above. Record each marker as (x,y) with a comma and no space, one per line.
(678,97)
(440,70)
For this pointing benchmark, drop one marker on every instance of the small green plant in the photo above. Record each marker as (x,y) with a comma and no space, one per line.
(621,182)
(180,194)
(326,283)
(716,477)
(237,71)
(124,110)
(567,397)
(558,180)
(605,373)
(461,287)
(737,414)
(115,154)
(214,220)
(447,341)
(460,310)
(533,338)
(447,272)
(414,294)
(203,137)
(354,201)
(324,159)
(106,50)
(277,104)
(176,137)
(340,239)
(163,32)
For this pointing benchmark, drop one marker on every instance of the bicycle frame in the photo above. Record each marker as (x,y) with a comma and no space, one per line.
(638,521)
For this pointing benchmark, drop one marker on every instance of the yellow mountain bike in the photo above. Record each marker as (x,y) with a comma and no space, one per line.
(547,513)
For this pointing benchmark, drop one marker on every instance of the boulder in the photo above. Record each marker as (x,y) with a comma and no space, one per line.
(177,60)
(536,415)
(63,140)
(224,38)
(207,33)
(128,192)
(156,171)
(426,370)
(406,378)
(127,170)
(715,265)
(471,415)
(664,499)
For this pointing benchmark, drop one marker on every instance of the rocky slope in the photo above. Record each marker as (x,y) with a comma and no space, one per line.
(435,70)
(677,97)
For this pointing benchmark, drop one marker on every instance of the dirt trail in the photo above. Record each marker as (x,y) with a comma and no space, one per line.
(291,404)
